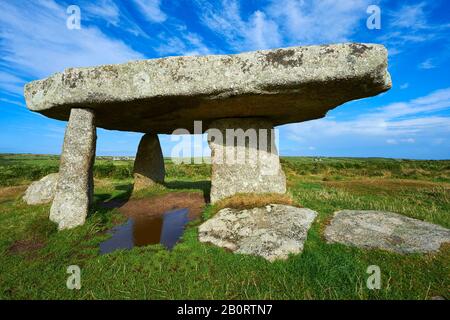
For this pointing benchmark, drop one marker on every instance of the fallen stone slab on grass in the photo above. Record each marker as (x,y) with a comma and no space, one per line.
(272,232)
(42,191)
(385,230)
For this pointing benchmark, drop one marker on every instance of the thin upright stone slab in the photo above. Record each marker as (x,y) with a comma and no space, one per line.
(149,163)
(283,86)
(74,190)
(244,158)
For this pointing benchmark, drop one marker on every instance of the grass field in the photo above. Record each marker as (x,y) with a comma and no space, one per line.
(192,270)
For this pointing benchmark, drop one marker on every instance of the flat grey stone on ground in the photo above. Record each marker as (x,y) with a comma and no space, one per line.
(244,166)
(149,163)
(385,230)
(42,191)
(75,184)
(282,85)
(272,232)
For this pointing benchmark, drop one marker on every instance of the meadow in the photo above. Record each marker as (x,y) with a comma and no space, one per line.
(34,256)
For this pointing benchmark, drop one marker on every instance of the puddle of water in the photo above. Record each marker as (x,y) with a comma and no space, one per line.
(136,232)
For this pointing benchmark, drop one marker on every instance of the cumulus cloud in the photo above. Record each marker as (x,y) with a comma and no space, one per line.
(402,122)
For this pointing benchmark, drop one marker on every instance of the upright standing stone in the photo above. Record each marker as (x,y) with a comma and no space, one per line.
(75,184)
(149,163)
(244,158)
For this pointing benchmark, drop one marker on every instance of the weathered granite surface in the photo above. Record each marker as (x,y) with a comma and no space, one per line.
(75,184)
(249,165)
(272,232)
(385,230)
(283,85)
(149,163)
(42,191)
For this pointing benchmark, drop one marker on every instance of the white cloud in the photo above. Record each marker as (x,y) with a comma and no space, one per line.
(182,42)
(35,43)
(310,22)
(395,141)
(110,12)
(427,64)
(410,25)
(104,9)
(396,122)
(284,22)
(398,39)
(393,51)
(262,33)
(195,42)
(151,9)
(9,101)
(437,99)
(391,141)
(404,86)
(256,32)
(11,83)
(409,16)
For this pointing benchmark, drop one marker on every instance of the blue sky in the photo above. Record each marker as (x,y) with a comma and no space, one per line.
(412,120)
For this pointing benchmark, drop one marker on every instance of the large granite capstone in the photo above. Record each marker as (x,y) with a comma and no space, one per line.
(159,95)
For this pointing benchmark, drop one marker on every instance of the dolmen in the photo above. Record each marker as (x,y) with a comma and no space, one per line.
(239,99)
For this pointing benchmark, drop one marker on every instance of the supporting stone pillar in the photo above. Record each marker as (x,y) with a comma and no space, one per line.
(75,183)
(244,158)
(149,163)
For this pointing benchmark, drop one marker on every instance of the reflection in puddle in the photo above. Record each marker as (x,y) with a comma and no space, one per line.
(165,229)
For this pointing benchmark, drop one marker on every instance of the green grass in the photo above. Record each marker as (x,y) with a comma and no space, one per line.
(21,169)
(192,270)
